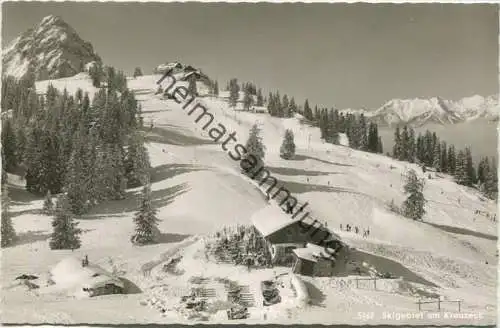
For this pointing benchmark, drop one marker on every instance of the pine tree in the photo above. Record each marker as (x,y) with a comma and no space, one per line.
(452,160)
(260,99)
(437,157)
(469,167)
(234,92)
(491,181)
(137,161)
(414,205)
(405,145)
(307,111)
(9,145)
(293,107)
(412,147)
(287,149)
(461,176)
(363,136)
(9,236)
(146,221)
(66,234)
(192,86)
(380,146)
(285,104)
(216,88)
(396,150)
(444,157)
(48,205)
(254,147)
(247,100)
(137,72)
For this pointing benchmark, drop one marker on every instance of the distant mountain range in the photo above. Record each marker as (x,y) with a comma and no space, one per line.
(50,50)
(419,111)
(53,50)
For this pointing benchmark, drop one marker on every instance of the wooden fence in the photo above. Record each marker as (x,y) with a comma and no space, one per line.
(438,301)
(357,280)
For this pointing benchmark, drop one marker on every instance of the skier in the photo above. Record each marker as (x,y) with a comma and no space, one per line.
(367,232)
(341,227)
(356,229)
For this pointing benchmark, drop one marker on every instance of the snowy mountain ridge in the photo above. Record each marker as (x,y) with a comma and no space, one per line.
(420,111)
(50,50)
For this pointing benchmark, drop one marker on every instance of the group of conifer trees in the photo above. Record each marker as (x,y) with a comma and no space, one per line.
(84,151)
(362,135)
(428,150)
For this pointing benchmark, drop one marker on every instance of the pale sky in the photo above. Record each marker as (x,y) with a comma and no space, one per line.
(342,55)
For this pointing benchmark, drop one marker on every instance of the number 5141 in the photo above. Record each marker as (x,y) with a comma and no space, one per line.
(366,315)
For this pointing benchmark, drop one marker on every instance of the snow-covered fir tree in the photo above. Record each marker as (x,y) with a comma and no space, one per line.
(491,181)
(247,100)
(452,159)
(9,236)
(192,86)
(65,233)
(146,221)
(380,146)
(444,157)
(396,150)
(234,92)
(260,98)
(461,175)
(137,72)
(307,111)
(436,156)
(469,167)
(137,161)
(414,205)
(216,88)
(9,145)
(255,151)
(287,149)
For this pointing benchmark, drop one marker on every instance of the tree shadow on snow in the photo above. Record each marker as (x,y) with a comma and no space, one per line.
(32,237)
(173,137)
(35,211)
(20,196)
(167,238)
(296,172)
(383,264)
(463,231)
(159,198)
(168,171)
(299,188)
(304,157)
(316,296)
(130,287)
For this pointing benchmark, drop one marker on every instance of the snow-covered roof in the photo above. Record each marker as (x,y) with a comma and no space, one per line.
(312,252)
(69,272)
(305,254)
(271,219)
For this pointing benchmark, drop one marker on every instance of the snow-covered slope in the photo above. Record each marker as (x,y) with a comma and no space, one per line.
(420,111)
(197,188)
(50,50)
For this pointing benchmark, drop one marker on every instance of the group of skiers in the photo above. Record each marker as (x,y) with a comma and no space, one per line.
(492,217)
(349,228)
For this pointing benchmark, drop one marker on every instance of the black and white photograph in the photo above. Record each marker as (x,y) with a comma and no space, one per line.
(249,163)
